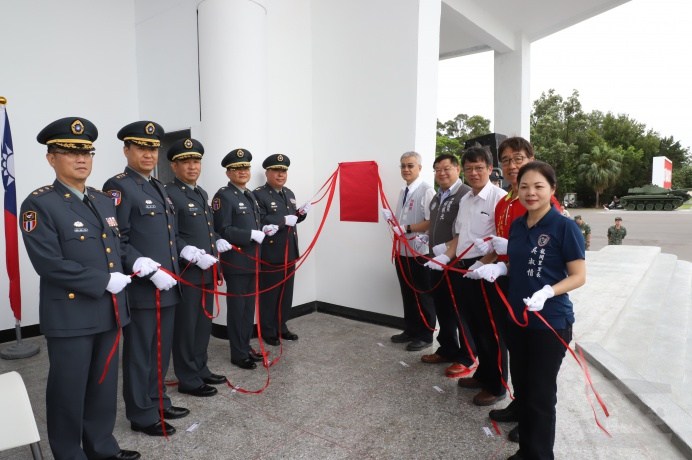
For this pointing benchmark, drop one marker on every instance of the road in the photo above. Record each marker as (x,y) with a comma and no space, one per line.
(670,230)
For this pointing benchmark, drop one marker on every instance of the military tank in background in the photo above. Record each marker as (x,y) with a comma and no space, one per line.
(653,198)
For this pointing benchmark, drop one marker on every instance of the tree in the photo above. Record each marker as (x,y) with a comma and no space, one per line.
(452,134)
(600,168)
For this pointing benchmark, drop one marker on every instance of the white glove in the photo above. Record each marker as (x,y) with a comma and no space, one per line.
(472,274)
(500,245)
(398,231)
(117,282)
(305,208)
(423,238)
(223,245)
(535,303)
(270,230)
(434,264)
(491,272)
(163,280)
(191,253)
(483,246)
(291,220)
(439,249)
(145,266)
(257,236)
(205,261)
(387,214)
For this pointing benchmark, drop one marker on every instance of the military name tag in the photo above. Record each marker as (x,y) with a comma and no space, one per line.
(79,227)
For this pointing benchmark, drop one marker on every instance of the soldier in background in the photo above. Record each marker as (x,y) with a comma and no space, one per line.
(585,230)
(616,233)
(194,219)
(71,235)
(149,241)
(277,205)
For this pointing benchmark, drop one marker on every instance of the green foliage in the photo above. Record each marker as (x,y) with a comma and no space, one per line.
(600,168)
(452,134)
(682,177)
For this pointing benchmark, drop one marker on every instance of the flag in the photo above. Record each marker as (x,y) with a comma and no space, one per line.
(358,191)
(11,242)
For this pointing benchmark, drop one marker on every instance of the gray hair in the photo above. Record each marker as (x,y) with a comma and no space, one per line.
(413,154)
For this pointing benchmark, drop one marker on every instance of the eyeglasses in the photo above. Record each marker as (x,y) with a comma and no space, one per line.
(517,160)
(443,170)
(407,166)
(475,169)
(74,154)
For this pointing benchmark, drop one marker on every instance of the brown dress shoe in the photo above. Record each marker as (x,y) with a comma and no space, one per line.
(485,398)
(469,382)
(434,359)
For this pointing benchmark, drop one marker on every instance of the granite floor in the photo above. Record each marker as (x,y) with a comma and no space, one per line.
(344,391)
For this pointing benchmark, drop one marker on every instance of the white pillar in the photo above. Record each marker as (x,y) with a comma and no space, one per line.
(512,90)
(232,75)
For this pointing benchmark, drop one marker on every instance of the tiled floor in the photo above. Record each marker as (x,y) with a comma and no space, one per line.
(344,391)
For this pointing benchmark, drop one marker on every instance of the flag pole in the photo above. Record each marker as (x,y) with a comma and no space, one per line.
(19,349)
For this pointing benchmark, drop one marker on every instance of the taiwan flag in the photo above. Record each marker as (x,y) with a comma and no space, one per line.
(11,242)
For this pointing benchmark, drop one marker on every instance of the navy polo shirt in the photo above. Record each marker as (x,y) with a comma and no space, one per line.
(539,256)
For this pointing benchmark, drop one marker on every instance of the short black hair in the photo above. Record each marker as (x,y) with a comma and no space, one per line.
(477,153)
(542,168)
(517,144)
(446,156)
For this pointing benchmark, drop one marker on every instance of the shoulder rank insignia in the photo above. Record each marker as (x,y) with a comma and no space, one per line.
(42,190)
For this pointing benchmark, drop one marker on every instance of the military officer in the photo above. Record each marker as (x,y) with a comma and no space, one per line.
(237,220)
(71,235)
(277,205)
(194,218)
(149,241)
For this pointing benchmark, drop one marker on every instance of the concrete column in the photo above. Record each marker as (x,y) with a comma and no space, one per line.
(232,75)
(512,97)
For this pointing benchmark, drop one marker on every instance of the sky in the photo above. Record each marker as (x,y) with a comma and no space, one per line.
(635,59)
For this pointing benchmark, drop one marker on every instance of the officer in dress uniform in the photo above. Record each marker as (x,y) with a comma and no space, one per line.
(71,235)
(277,206)
(194,219)
(149,241)
(237,220)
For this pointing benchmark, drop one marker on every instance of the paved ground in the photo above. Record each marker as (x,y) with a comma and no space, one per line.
(670,230)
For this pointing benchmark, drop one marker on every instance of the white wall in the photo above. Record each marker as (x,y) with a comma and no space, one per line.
(67,58)
(367,58)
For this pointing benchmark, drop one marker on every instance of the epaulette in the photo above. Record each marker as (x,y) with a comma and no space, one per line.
(95,190)
(121,176)
(261,187)
(42,190)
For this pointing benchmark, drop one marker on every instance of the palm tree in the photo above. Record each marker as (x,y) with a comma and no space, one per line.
(600,168)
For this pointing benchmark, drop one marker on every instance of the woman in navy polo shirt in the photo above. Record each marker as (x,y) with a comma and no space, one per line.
(546,260)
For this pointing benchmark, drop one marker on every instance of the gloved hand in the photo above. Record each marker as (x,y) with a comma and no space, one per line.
(257,236)
(472,274)
(305,208)
(491,272)
(423,238)
(398,231)
(223,245)
(191,253)
(144,266)
(270,230)
(205,261)
(439,249)
(500,245)
(537,300)
(387,214)
(434,264)
(163,280)
(483,246)
(291,220)
(118,282)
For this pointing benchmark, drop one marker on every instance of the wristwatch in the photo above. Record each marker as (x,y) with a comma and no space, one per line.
(408,229)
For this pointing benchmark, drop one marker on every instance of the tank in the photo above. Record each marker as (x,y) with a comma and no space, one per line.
(653,198)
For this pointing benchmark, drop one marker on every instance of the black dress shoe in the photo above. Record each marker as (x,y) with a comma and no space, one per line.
(154,430)
(256,357)
(214,379)
(401,338)
(175,412)
(508,414)
(272,341)
(290,336)
(246,363)
(513,435)
(516,456)
(126,455)
(418,345)
(202,390)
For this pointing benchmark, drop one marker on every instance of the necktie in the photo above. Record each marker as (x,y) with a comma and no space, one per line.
(156,187)
(90,205)
(283,195)
(405,195)
(251,198)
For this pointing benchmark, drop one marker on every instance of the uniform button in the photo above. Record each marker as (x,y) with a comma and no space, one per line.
(111,265)
(205,212)
(173,258)
(211,234)
(212,245)
(81,237)
(152,213)
(171,243)
(70,295)
(108,250)
(194,213)
(169,226)
(209,224)
(104,236)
